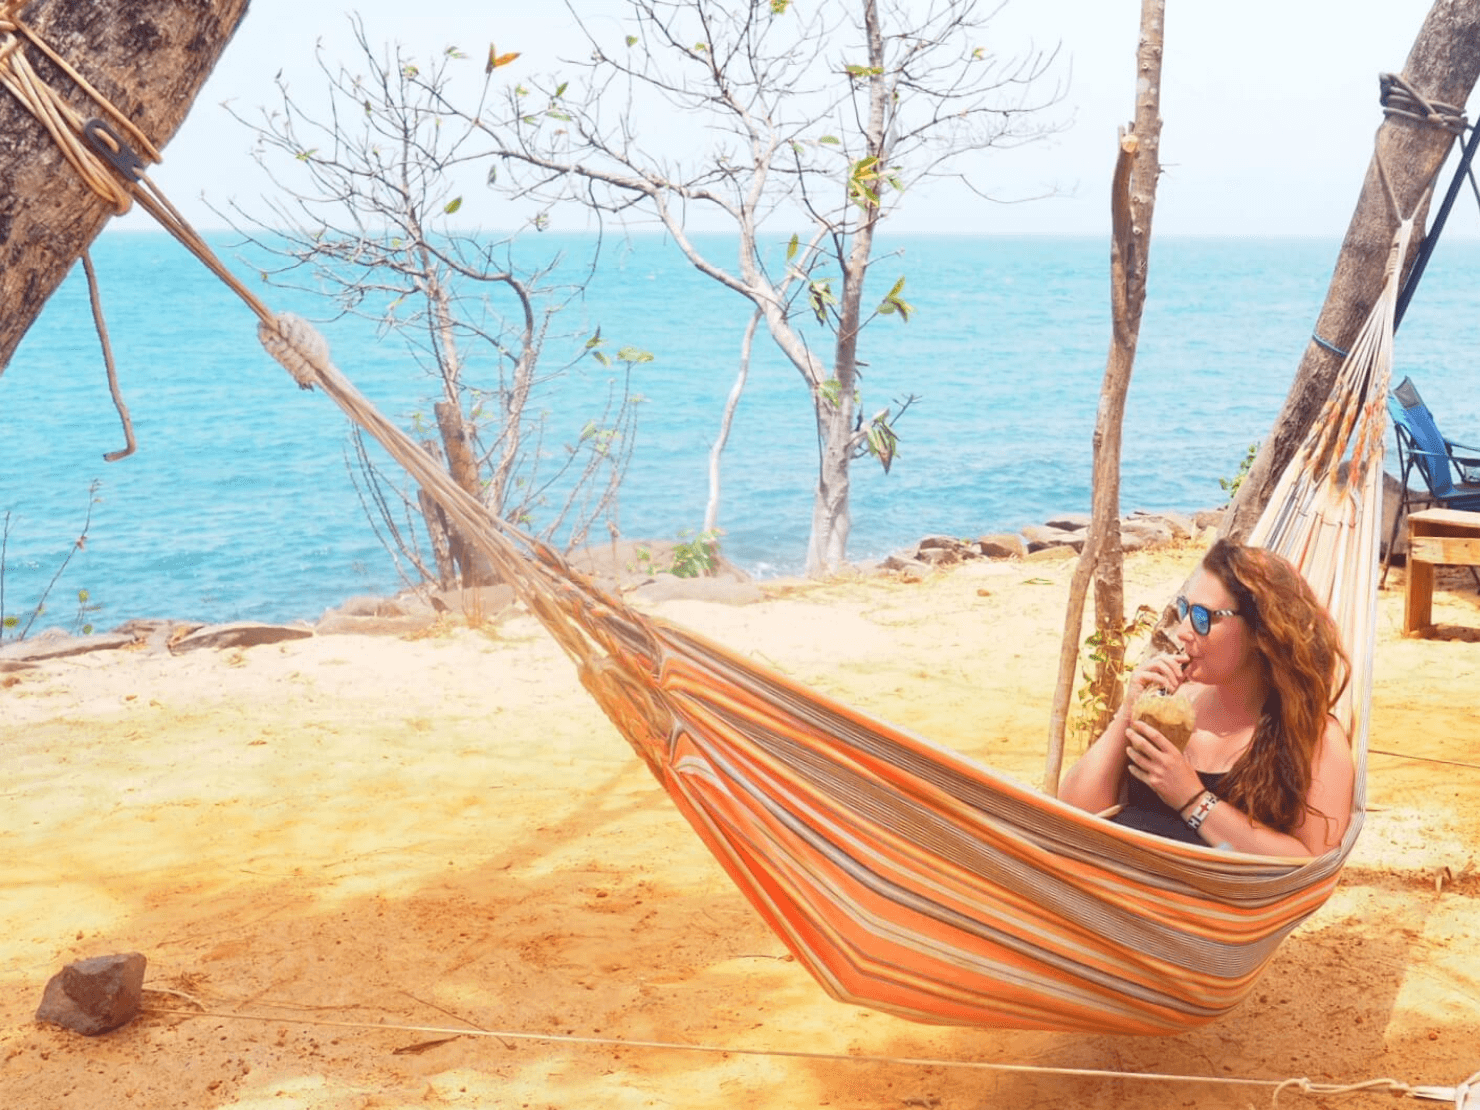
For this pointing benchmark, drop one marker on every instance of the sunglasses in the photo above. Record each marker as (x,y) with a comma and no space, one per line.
(1202,616)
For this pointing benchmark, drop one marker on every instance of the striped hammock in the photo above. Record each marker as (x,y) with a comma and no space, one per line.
(909,878)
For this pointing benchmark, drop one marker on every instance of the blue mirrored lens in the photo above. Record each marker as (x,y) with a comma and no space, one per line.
(1202,619)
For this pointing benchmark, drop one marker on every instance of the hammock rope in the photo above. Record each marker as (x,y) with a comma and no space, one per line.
(902,875)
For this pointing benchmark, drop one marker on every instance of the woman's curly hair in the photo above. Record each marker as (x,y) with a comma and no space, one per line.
(1305,670)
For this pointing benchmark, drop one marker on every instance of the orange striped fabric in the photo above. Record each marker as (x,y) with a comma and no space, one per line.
(911,879)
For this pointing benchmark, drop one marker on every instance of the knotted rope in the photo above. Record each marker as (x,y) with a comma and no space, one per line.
(67,128)
(1399,98)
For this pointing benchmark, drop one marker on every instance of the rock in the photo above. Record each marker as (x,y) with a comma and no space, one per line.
(1135,541)
(1146,531)
(1069,522)
(95,995)
(1002,545)
(1181,525)
(480,603)
(158,635)
(941,543)
(1208,518)
(338,625)
(1041,536)
(722,588)
(239,634)
(939,556)
(56,644)
(1054,554)
(369,606)
(899,561)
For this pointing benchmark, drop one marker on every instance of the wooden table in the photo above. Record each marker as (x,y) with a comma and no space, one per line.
(1436,537)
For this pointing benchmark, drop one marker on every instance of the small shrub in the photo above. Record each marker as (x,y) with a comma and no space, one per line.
(1230,485)
(691,558)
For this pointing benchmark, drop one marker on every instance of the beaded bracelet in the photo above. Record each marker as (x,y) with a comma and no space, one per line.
(1200,814)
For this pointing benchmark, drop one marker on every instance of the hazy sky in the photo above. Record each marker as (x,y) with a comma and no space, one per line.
(1269,105)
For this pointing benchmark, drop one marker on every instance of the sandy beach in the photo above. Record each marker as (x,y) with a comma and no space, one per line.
(313,840)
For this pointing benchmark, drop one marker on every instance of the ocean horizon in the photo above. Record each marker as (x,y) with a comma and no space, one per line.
(240,503)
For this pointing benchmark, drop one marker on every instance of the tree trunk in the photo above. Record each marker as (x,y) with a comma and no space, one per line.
(732,402)
(1132,200)
(464,470)
(828,547)
(1443,66)
(150,58)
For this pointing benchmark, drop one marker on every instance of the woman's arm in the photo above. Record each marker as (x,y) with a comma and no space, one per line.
(1330,794)
(1094,782)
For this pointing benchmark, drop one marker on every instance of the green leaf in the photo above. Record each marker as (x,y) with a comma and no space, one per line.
(553,114)
(453,205)
(792,247)
(634,355)
(831,140)
(863,71)
(631,40)
(778,7)
(560,89)
(601,357)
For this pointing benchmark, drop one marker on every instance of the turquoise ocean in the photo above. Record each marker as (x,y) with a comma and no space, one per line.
(239,504)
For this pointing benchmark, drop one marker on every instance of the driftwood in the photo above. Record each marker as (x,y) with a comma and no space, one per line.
(150,58)
(1443,66)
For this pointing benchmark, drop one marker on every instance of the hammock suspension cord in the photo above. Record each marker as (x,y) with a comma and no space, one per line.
(1458,1095)
(109,155)
(1400,99)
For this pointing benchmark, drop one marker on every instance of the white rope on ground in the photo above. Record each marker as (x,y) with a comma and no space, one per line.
(1458,1095)
(1425,758)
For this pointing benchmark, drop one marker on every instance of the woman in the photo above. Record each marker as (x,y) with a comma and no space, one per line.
(1267,769)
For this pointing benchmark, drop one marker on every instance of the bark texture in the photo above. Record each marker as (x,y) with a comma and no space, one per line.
(1443,65)
(1132,203)
(150,58)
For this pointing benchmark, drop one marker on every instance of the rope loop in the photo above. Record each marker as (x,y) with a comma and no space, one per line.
(297,345)
(1399,98)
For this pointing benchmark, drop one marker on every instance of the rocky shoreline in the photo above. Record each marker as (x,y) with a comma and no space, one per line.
(624,567)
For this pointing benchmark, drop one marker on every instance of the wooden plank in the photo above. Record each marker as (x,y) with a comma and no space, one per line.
(1448,516)
(1445,550)
(1418,597)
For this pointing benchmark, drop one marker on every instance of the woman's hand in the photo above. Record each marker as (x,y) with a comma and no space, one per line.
(1160,672)
(1155,760)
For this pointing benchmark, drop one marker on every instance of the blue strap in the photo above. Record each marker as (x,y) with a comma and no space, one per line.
(1332,347)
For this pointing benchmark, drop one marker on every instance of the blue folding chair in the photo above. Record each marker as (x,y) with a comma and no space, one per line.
(1450,470)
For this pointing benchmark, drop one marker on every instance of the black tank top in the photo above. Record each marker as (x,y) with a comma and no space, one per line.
(1146,811)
